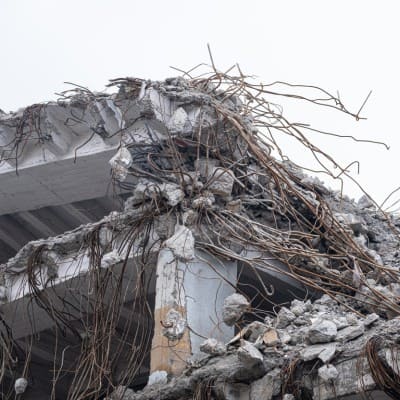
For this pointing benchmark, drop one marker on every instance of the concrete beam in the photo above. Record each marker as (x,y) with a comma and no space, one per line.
(62,149)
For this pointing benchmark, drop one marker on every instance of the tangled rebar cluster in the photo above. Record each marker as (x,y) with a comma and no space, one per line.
(211,164)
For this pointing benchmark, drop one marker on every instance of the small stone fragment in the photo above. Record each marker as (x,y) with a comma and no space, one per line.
(213,347)
(298,307)
(20,385)
(284,318)
(158,378)
(328,373)
(271,338)
(174,325)
(370,319)
(235,306)
(248,354)
(322,331)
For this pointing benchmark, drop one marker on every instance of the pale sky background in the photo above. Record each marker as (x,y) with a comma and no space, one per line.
(346,45)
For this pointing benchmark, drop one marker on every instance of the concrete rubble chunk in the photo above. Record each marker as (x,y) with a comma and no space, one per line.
(284,336)
(178,121)
(158,378)
(3,294)
(350,333)
(20,386)
(181,243)
(328,373)
(205,200)
(254,331)
(120,163)
(248,354)
(145,189)
(233,391)
(172,193)
(298,307)
(288,396)
(322,331)
(284,318)
(213,347)
(365,202)
(174,325)
(312,352)
(266,387)
(328,353)
(235,306)
(221,181)
(370,319)
(354,222)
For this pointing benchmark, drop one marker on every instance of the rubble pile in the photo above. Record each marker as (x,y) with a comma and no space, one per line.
(320,342)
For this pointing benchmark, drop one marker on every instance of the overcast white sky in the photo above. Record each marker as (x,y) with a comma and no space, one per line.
(351,46)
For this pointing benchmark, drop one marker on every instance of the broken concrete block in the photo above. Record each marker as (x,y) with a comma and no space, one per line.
(20,385)
(322,331)
(235,306)
(249,355)
(328,373)
(181,243)
(158,378)
(350,333)
(174,325)
(213,347)
(266,387)
(284,318)
(221,181)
